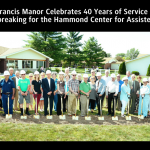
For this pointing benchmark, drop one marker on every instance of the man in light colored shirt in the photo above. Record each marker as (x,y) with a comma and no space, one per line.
(128,75)
(111,91)
(107,79)
(100,88)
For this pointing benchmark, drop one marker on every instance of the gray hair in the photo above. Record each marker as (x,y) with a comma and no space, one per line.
(11,69)
(79,75)
(66,69)
(55,73)
(132,75)
(17,72)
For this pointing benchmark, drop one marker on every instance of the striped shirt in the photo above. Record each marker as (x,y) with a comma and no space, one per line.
(74,84)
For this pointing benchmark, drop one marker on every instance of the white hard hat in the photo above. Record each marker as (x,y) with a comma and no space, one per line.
(118,74)
(98,74)
(125,78)
(113,75)
(36,72)
(73,72)
(48,72)
(22,72)
(61,73)
(6,73)
(145,80)
(85,76)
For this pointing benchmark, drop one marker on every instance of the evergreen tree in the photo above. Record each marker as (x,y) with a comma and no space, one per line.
(148,71)
(73,52)
(122,68)
(51,44)
(93,52)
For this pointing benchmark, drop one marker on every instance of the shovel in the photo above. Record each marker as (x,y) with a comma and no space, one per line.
(36,116)
(101,117)
(24,116)
(115,117)
(87,117)
(62,116)
(75,117)
(49,116)
(141,116)
(8,116)
(128,117)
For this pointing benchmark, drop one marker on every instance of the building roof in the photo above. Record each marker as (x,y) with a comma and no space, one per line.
(4,52)
(139,57)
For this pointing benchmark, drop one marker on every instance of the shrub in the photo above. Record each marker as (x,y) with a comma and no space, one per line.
(28,71)
(100,67)
(57,70)
(148,71)
(55,65)
(135,72)
(122,68)
(79,67)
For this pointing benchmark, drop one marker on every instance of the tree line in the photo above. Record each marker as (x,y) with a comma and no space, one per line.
(68,51)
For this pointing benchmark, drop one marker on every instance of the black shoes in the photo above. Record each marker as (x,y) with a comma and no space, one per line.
(4,114)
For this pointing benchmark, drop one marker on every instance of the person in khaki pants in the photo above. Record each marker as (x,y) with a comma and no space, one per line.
(73,85)
(85,89)
(15,79)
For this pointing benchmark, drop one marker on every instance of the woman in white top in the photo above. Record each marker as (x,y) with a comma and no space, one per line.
(144,91)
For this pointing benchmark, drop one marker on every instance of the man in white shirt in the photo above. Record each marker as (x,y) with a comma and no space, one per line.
(15,79)
(107,79)
(111,91)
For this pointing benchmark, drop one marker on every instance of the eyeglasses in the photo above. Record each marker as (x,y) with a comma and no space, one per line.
(73,75)
(30,76)
(23,74)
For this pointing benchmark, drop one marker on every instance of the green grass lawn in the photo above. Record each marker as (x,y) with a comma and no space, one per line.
(46,132)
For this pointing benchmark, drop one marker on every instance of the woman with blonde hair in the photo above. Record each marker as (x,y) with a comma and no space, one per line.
(93,93)
(36,84)
(61,92)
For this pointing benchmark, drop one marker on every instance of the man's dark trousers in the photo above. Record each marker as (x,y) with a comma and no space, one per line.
(110,98)
(46,105)
(98,102)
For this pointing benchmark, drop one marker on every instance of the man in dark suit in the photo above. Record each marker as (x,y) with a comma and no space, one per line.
(15,79)
(134,86)
(48,86)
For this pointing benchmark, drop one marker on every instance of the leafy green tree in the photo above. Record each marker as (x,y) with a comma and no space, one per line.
(121,55)
(148,71)
(122,68)
(93,52)
(73,52)
(132,54)
(51,44)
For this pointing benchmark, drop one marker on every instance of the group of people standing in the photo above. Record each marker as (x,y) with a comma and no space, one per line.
(67,90)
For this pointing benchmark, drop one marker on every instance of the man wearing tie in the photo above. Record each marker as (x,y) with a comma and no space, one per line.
(134,86)
(48,86)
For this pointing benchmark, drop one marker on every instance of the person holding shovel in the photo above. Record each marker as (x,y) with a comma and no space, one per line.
(23,86)
(144,91)
(36,86)
(7,85)
(125,92)
(61,93)
(85,89)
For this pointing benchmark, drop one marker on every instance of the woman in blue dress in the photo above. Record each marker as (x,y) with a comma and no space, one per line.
(125,92)
(145,94)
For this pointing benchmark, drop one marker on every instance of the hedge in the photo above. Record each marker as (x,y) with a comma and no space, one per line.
(135,72)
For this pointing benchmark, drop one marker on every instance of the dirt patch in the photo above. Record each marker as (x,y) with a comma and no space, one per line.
(94,120)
